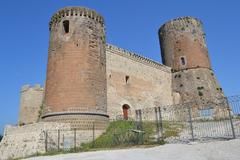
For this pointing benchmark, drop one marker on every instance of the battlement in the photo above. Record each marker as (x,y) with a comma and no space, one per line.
(75,11)
(179,23)
(137,57)
(36,87)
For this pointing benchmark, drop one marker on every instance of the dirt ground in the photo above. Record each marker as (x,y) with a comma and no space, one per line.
(218,150)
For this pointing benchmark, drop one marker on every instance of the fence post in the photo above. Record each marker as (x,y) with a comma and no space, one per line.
(160,122)
(63,142)
(93,134)
(75,139)
(46,141)
(58,139)
(141,127)
(190,122)
(156,114)
(138,119)
(230,118)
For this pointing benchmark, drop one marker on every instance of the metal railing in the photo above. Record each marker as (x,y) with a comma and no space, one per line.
(181,123)
(194,121)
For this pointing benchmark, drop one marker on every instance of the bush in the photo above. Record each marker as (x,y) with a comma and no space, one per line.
(1,138)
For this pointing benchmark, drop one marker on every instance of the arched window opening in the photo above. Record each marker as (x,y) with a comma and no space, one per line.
(66,26)
(125,108)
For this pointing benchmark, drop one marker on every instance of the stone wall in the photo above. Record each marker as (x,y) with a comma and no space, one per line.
(197,84)
(30,103)
(22,141)
(136,81)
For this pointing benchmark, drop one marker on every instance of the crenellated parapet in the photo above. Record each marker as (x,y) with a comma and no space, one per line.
(75,11)
(179,23)
(36,87)
(136,57)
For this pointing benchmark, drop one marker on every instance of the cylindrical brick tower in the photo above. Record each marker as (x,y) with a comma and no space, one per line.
(76,72)
(183,44)
(183,48)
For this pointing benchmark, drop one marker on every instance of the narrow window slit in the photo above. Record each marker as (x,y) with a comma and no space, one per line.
(66,26)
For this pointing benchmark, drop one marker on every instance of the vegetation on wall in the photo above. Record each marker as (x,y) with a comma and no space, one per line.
(40,112)
(200,93)
(124,133)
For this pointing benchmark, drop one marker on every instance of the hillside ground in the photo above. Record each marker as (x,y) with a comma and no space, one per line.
(217,150)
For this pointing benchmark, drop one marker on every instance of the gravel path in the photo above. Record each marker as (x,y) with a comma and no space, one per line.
(219,150)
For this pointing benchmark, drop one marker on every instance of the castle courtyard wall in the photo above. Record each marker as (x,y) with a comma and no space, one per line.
(136,81)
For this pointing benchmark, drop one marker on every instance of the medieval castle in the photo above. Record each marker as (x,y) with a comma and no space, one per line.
(90,81)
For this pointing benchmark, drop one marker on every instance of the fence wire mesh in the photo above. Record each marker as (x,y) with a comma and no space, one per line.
(194,121)
(182,123)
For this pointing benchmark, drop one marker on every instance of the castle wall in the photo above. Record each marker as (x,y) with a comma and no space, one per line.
(148,83)
(30,104)
(22,141)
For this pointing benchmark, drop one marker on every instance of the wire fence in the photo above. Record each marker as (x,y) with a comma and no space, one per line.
(194,121)
(182,123)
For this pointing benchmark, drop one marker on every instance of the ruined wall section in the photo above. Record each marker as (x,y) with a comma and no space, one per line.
(136,81)
(197,84)
(22,141)
(31,99)
(76,72)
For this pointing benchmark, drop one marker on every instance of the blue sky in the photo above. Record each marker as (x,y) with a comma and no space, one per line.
(130,24)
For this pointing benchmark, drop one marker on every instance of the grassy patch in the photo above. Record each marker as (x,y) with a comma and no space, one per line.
(122,134)
(172,129)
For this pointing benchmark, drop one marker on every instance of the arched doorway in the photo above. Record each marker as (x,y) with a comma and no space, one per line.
(125,108)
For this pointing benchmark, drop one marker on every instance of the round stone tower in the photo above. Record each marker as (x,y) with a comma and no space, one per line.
(76,71)
(183,48)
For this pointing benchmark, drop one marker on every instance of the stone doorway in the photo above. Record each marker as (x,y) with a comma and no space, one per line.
(125,108)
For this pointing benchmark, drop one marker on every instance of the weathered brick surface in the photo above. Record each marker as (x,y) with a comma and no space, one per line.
(76,72)
(197,84)
(183,37)
(193,79)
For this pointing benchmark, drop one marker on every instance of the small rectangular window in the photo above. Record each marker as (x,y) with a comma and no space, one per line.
(66,26)
(183,61)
